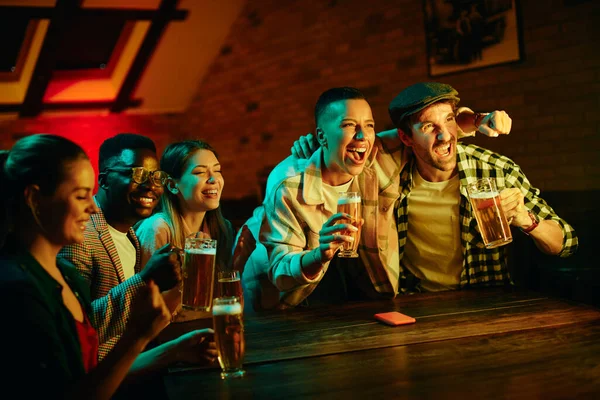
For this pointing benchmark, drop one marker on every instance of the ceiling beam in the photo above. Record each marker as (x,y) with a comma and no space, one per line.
(160,21)
(124,13)
(71,105)
(63,11)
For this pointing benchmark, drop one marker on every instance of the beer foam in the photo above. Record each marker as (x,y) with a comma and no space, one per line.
(227,309)
(210,252)
(348,200)
(484,195)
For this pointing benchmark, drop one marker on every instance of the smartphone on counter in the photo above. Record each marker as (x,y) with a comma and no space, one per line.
(394,318)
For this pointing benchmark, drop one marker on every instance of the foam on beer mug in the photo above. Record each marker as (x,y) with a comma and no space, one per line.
(483,199)
(227,309)
(210,252)
(484,195)
(348,200)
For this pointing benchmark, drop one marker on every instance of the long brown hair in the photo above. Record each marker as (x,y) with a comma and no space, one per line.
(173,162)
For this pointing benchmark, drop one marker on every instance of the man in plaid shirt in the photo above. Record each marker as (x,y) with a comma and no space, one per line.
(440,247)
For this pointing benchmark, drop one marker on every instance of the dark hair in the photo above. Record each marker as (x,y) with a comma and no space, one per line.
(406,123)
(173,162)
(37,159)
(114,146)
(335,94)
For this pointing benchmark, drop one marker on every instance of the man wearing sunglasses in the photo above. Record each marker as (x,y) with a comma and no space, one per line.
(130,186)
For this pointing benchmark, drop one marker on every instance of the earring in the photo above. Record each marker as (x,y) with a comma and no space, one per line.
(172,187)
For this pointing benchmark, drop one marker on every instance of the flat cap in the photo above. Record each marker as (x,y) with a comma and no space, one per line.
(419,96)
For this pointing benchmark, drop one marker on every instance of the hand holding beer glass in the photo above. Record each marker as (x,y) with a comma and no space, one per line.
(486,204)
(349,203)
(198,273)
(228,324)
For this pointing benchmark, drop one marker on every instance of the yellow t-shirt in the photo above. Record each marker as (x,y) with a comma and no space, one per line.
(433,251)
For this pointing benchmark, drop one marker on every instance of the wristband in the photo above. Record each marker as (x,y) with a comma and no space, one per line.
(534,223)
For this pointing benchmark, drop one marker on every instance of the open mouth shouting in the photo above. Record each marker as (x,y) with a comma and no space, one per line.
(443,150)
(357,153)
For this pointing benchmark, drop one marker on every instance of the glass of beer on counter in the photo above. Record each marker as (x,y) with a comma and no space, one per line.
(485,201)
(228,324)
(198,273)
(349,203)
(229,283)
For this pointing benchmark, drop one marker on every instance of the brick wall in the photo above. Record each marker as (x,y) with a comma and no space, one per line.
(281,54)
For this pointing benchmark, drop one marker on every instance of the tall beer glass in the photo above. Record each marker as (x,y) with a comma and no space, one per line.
(198,273)
(228,323)
(349,203)
(229,283)
(485,201)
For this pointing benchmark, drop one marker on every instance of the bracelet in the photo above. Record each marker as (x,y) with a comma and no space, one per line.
(534,223)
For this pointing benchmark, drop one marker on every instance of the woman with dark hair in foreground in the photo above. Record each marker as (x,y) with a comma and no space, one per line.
(49,345)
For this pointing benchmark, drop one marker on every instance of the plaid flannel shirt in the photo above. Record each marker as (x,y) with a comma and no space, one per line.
(380,249)
(481,266)
(97,260)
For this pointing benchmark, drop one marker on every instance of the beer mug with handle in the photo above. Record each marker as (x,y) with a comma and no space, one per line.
(228,324)
(485,201)
(198,273)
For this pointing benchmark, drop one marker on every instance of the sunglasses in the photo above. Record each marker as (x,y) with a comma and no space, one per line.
(141,175)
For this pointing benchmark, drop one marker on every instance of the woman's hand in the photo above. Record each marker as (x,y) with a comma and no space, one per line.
(149,313)
(197,347)
(334,234)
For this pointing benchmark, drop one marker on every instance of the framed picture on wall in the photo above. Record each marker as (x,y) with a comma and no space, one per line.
(470,34)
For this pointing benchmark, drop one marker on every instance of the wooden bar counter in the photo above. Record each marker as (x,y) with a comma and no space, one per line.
(488,344)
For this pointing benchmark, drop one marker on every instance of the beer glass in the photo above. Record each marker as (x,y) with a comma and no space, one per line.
(349,203)
(229,284)
(228,324)
(485,201)
(198,273)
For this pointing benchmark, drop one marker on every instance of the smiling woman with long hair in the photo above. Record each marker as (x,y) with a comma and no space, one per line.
(192,203)
(189,206)
(49,342)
